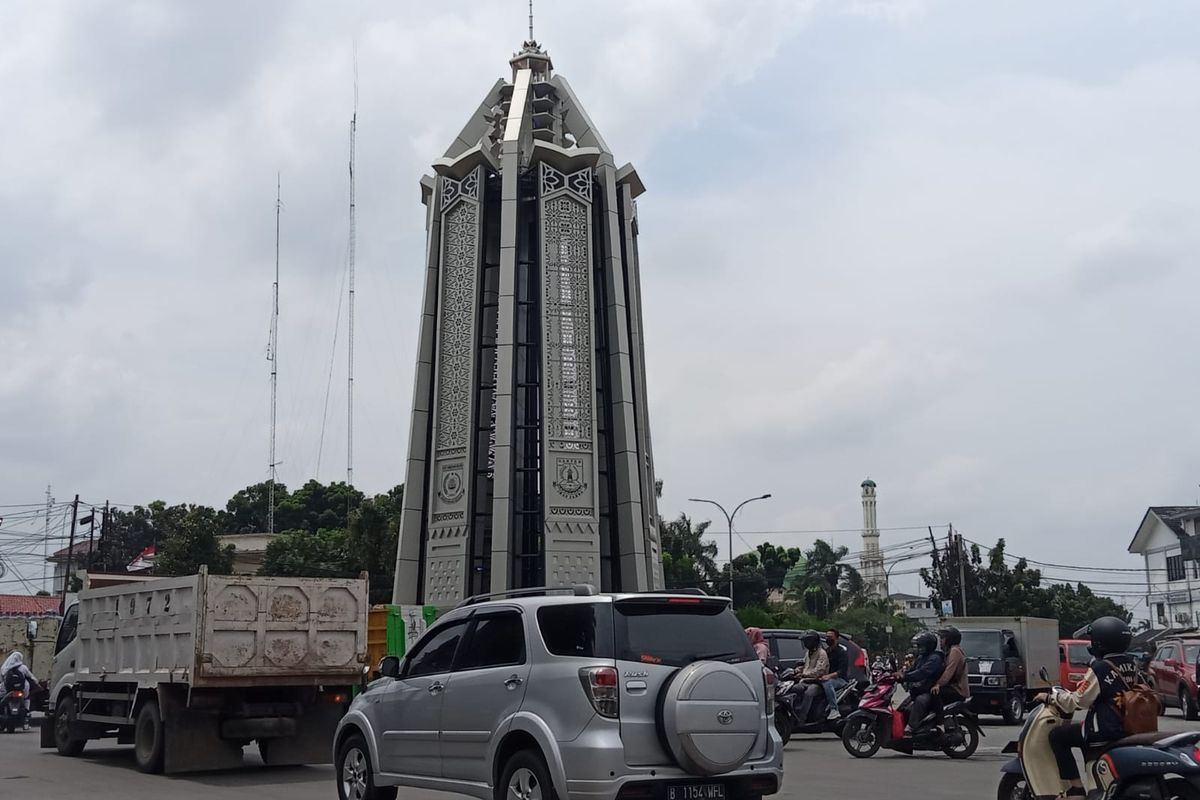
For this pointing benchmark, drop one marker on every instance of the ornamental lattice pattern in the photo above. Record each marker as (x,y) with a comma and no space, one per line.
(459,246)
(567,315)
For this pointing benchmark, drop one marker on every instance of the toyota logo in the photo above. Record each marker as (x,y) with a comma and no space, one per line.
(725,717)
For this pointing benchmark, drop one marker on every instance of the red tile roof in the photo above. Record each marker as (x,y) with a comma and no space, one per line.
(28,605)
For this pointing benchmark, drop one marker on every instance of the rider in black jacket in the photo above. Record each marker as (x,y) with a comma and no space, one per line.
(920,679)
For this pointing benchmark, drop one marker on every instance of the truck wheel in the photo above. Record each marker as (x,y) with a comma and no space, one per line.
(1014,708)
(148,738)
(64,712)
(355,779)
(525,777)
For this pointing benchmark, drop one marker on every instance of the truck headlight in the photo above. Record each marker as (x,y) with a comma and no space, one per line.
(992,680)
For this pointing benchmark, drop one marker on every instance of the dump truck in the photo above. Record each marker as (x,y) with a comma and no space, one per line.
(1004,659)
(190,670)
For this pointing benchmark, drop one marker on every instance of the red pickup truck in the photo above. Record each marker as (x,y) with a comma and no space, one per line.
(1074,659)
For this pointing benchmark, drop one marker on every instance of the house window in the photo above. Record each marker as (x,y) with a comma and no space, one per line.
(1175,568)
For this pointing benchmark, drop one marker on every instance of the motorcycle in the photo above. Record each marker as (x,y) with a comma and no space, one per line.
(817,720)
(879,722)
(12,710)
(1148,765)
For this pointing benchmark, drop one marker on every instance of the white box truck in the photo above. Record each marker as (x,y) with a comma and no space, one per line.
(190,670)
(1004,657)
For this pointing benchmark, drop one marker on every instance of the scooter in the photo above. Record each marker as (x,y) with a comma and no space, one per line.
(880,723)
(818,720)
(12,710)
(1157,766)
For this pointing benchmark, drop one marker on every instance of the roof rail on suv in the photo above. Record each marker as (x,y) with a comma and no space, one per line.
(579,590)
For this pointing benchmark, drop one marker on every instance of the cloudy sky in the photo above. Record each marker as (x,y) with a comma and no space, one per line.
(946,245)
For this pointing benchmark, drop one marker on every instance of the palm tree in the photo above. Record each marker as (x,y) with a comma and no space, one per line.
(689,560)
(826,579)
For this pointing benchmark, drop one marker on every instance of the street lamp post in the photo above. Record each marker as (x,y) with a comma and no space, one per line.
(887,573)
(729,521)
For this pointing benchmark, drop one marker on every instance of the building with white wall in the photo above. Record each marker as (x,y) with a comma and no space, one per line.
(1172,583)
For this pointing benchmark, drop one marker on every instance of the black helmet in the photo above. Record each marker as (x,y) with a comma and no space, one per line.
(924,643)
(810,639)
(1109,635)
(950,635)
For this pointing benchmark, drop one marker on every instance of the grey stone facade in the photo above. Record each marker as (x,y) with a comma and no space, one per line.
(529,458)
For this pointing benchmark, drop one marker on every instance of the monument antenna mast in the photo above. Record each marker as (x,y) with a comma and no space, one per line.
(531,20)
(272,356)
(350,270)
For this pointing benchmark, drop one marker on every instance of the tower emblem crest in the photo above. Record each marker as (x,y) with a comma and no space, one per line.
(569,477)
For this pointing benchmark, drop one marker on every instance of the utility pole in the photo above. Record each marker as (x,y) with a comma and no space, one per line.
(46,542)
(104,529)
(70,552)
(962,581)
(91,518)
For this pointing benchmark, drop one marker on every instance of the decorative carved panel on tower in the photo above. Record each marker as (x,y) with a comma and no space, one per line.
(446,545)
(572,522)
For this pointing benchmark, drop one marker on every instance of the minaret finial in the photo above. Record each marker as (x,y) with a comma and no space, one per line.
(531,20)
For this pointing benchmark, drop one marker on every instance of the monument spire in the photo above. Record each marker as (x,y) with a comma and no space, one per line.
(531,20)
(529,457)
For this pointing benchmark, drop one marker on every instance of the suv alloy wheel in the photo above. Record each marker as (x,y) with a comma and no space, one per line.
(355,778)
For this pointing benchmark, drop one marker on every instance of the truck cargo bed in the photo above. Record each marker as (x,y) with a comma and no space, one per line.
(218,630)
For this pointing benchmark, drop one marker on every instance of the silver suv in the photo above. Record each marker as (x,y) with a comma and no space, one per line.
(569,695)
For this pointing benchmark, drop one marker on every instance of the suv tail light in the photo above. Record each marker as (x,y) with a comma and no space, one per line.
(769,689)
(600,686)
(861,660)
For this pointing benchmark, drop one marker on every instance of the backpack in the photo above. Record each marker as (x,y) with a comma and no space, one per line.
(1138,705)
(14,679)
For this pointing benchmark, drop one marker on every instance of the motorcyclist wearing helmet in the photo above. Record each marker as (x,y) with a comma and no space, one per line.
(921,678)
(953,685)
(1112,671)
(816,667)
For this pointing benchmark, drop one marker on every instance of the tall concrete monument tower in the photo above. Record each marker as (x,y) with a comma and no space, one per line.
(529,458)
(871,560)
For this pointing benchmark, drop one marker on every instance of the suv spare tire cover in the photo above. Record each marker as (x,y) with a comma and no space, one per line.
(711,717)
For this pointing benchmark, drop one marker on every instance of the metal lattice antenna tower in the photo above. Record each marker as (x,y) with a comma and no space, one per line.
(273,357)
(350,269)
(531,20)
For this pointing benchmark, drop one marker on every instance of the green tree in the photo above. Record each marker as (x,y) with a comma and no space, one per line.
(315,506)
(126,535)
(689,560)
(301,554)
(868,622)
(826,579)
(189,540)
(777,561)
(372,540)
(749,582)
(994,587)
(246,511)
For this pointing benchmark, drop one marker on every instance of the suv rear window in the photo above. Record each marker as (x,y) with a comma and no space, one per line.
(678,633)
(582,630)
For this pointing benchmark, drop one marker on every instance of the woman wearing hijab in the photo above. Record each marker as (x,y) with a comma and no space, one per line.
(14,665)
(761,649)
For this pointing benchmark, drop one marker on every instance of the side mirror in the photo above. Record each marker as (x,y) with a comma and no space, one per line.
(1044,675)
(31,630)
(1062,656)
(389,667)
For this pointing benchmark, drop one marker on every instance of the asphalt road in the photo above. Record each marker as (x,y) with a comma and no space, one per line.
(814,767)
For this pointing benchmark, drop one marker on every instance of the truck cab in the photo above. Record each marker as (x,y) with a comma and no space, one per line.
(995,672)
